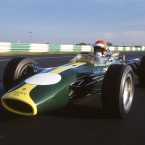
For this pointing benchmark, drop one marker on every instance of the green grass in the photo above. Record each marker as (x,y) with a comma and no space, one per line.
(33,53)
(46,53)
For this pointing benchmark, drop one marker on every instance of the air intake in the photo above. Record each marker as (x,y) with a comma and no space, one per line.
(19,107)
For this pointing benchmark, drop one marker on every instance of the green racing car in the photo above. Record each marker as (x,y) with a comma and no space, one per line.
(31,89)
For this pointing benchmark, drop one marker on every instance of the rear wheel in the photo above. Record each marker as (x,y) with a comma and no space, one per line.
(141,72)
(17,70)
(118,90)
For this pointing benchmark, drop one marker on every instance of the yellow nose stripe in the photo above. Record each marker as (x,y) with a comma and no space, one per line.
(61,69)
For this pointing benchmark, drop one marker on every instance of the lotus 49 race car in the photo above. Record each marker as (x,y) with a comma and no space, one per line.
(31,89)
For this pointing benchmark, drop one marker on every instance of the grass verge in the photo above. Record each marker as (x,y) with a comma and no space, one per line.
(33,53)
(46,53)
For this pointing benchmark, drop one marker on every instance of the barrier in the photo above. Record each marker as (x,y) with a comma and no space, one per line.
(33,47)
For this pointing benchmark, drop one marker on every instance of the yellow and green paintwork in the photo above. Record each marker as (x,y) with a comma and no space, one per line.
(49,97)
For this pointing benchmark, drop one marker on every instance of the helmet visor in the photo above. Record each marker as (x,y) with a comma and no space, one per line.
(98,49)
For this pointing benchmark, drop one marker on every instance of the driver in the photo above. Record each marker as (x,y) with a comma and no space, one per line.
(100,47)
(100,51)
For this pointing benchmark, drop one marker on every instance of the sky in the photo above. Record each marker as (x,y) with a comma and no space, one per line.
(120,22)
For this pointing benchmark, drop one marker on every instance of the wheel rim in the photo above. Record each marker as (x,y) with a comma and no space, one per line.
(25,72)
(128,93)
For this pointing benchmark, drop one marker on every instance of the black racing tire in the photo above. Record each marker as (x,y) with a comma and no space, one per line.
(118,90)
(15,71)
(141,72)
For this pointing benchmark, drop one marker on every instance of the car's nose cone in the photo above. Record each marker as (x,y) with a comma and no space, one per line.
(19,101)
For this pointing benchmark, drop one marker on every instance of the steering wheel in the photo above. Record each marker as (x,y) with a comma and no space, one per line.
(90,59)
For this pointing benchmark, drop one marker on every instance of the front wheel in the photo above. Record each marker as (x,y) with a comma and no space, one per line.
(141,73)
(17,70)
(118,90)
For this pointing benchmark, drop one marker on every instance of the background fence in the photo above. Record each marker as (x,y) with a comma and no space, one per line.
(33,47)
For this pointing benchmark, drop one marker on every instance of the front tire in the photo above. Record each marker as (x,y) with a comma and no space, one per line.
(141,73)
(118,90)
(17,70)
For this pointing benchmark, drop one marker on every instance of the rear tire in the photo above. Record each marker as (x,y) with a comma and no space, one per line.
(118,90)
(141,73)
(17,70)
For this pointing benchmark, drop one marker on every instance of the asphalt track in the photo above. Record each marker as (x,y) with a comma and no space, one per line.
(78,124)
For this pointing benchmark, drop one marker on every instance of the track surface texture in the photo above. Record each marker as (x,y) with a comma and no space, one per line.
(79,124)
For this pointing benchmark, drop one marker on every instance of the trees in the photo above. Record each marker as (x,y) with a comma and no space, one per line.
(82,43)
(109,44)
